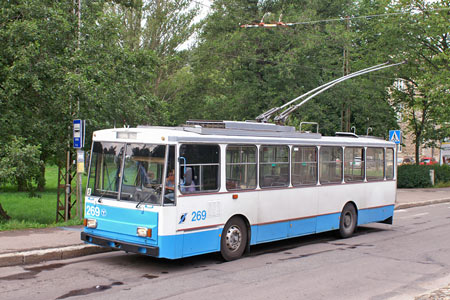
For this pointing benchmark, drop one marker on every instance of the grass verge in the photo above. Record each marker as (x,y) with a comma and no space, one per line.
(34,212)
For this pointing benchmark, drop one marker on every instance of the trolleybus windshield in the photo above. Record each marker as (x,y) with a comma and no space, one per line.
(134,170)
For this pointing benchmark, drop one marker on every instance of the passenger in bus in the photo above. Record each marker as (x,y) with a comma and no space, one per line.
(189,184)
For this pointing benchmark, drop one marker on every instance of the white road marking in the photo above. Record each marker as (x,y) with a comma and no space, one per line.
(416,215)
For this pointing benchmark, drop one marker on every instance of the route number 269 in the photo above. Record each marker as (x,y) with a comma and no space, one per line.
(198,215)
(93,211)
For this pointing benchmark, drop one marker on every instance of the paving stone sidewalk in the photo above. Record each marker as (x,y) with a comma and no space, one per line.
(440,294)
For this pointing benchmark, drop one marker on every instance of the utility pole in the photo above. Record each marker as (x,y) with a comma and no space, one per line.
(345,112)
(66,172)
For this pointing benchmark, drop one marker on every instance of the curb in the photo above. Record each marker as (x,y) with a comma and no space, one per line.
(421,203)
(37,256)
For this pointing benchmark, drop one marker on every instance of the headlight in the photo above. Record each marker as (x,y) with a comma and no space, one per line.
(90,223)
(144,232)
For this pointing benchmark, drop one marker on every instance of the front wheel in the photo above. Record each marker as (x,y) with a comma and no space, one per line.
(234,239)
(347,224)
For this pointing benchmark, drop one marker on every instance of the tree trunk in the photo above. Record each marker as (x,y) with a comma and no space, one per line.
(21,185)
(3,215)
(417,149)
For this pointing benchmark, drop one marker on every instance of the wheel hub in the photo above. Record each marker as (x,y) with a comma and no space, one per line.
(347,220)
(233,238)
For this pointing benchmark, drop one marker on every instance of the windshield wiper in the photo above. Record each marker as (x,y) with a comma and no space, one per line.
(150,196)
(99,200)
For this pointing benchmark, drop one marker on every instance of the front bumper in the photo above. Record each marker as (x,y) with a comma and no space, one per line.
(119,245)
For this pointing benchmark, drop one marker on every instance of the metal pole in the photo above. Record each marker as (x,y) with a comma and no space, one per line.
(79,171)
(68,189)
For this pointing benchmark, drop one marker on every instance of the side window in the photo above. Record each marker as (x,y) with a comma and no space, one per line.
(375,164)
(199,168)
(330,165)
(274,166)
(304,165)
(353,164)
(389,163)
(241,167)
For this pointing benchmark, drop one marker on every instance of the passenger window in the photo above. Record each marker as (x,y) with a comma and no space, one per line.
(241,167)
(375,164)
(330,165)
(389,163)
(353,164)
(199,168)
(274,166)
(304,166)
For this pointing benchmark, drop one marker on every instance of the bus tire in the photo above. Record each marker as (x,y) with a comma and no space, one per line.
(234,239)
(348,220)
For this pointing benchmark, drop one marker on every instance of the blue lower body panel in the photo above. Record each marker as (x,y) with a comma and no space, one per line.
(375,214)
(195,243)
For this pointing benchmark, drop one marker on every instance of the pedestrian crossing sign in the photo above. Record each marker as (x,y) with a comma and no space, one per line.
(395,136)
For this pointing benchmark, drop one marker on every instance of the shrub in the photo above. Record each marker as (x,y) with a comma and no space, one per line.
(19,163)
(413,176)
(441,173)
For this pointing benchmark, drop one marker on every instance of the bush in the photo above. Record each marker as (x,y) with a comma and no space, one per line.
(19,163)
(441,173)
(413,176)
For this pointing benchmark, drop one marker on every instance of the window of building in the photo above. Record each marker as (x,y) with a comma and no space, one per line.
(199,168)
(390,163)
(274,166)
(304,165)
(353,164)
(375,164)
(330,165)
(241,167)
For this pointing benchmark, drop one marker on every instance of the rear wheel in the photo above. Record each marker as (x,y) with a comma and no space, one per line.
(234,239)
(347,224)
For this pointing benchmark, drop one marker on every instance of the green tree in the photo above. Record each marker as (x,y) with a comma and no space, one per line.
(51,72)
(240,73)
(421,36)
(161,26)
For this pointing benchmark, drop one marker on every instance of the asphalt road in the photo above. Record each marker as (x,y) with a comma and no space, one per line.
(402,261)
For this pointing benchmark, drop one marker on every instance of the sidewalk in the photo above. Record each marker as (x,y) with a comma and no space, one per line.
(37,245)
(32,246)
(419,197)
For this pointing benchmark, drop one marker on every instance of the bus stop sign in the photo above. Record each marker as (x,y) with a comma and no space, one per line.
(78,133)
(395,136)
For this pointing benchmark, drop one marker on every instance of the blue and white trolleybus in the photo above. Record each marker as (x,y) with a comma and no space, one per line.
(223,186)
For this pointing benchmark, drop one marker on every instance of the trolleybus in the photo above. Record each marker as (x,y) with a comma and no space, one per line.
(223,186)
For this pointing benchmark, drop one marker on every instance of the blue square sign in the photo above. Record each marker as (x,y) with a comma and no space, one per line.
(78,134)
(395,136)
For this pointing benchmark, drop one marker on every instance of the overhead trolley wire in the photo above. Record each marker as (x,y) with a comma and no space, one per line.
(282,24)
